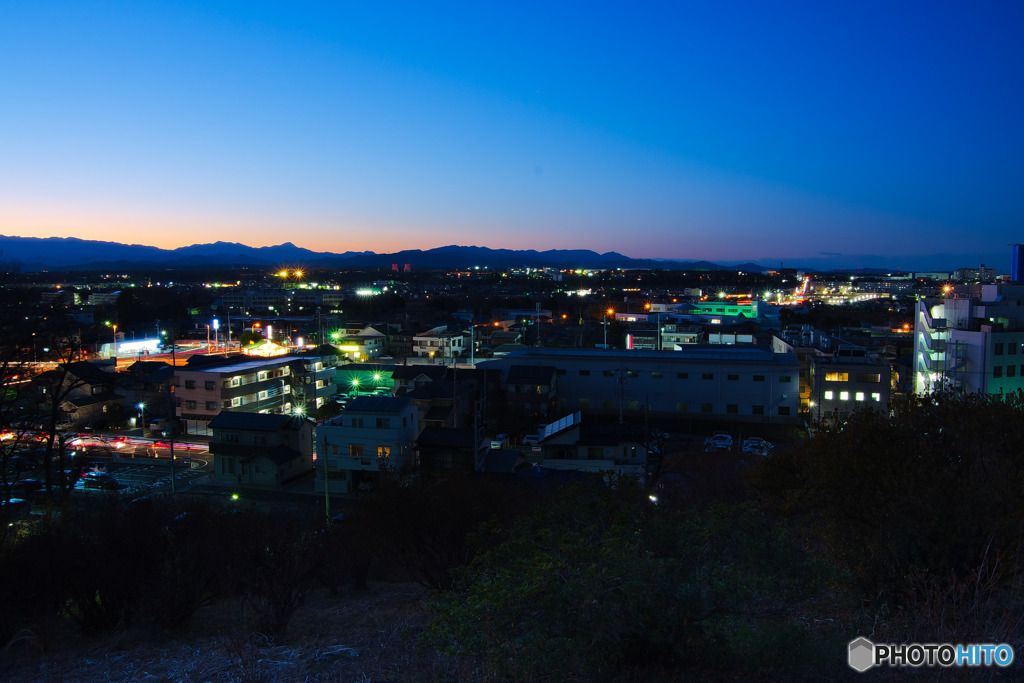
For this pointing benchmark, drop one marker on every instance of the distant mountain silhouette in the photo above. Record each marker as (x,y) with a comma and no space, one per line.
(30,254)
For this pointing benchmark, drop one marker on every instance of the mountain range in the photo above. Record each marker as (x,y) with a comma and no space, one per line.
(31,254)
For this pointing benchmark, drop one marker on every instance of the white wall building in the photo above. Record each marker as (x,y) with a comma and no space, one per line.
(374,436)
(972,339)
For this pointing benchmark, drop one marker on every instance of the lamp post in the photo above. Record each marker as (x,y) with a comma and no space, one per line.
(604,322)
(115,343)
(142,417)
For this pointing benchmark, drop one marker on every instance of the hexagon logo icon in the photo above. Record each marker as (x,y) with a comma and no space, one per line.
(861,654)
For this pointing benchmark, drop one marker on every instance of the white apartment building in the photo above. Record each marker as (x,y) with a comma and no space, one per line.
(373,437)
(971,339)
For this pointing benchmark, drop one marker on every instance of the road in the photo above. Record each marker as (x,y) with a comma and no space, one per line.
(135,461)
(135,473)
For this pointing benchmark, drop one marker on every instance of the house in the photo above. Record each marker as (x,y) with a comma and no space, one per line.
(364,345)
(439,344)
(409,377)
(260,450)
(373,437)
(444,451)
(85,392)
(532,389)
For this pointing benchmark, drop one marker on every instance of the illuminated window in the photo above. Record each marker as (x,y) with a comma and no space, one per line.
(383,451)
(837,377)
(828,395)
(869,377)
(876,397)
(844,395)
(860,395)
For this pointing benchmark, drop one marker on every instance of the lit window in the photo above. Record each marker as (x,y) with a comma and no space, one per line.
(876,397)
(860,395)
(828,395)
(844,395)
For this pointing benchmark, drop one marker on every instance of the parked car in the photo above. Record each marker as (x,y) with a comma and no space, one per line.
(718,442)
(757,446)
(100,480)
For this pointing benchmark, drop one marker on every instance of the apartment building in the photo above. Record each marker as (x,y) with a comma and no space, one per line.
(253,386)
(971,339)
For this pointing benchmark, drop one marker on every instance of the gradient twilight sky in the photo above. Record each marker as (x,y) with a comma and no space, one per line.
(818,132)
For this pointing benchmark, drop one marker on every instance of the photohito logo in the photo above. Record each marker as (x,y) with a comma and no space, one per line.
(862,654)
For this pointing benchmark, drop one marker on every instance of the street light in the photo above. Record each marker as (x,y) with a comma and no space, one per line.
(142,417)
(604,322)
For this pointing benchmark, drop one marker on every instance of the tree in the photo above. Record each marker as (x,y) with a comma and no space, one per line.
(600,584)
(935,486)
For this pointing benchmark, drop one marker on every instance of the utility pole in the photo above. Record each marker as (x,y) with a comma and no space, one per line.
(171,410)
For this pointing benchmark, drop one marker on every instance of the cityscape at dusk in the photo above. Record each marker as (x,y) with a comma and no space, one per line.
(525,342)
(834,135)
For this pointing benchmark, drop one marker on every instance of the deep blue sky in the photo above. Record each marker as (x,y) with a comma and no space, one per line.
(867,133)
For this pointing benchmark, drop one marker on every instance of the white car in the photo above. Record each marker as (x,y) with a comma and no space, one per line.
(757,446)
(718,442)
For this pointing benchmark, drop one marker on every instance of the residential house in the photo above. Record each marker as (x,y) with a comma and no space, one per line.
(261,450)
(532,389)
(373,437)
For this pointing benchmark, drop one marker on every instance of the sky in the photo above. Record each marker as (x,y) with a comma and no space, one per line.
(816,133)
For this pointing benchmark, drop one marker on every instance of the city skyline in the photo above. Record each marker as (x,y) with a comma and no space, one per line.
(873,135)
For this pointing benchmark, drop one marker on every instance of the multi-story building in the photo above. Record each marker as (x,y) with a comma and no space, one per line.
(971,339)
(252,386)
(724,382)
(846,380)
(295,383)
(314,370)
(373,437)
(836,377)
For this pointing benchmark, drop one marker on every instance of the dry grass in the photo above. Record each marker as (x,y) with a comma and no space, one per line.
(351,636)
